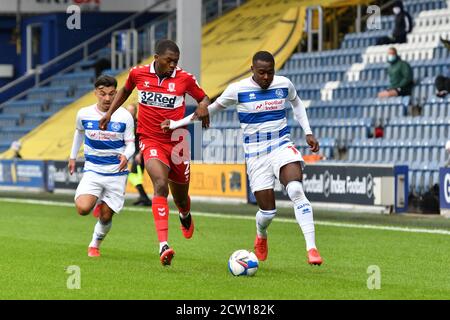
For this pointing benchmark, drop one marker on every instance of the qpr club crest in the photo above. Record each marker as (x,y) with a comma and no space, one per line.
(279,93)
(115,126)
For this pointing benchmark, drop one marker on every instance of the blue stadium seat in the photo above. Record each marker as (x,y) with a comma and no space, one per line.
(24,106)
(34,119)
(13,133)
(9,120)
(73,79)
(83,89)
(48,93)
(58,104)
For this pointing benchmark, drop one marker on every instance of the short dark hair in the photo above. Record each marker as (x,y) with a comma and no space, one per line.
(163,45)
(105,81)
(263,56)
(394,49)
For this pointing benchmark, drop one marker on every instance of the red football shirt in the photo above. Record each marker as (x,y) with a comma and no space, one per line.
(161,99)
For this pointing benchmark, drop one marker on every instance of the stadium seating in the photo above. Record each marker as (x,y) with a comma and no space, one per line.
(350,79)
(18,117)
(339,88)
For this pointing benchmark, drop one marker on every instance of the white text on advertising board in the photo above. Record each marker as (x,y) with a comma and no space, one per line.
(329,184)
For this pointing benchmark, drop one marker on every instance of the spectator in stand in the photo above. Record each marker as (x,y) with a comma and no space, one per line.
(400,76)
(16,146)
(403,26)
(442,84)
(379,130)
(446,43)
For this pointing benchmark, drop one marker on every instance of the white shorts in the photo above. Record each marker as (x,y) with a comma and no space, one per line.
(263,170)
(109,189)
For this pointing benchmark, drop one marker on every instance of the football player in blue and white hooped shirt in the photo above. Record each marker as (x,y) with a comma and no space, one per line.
(269,151)
(106,154)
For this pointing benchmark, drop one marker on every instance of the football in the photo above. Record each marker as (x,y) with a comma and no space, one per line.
(243,263)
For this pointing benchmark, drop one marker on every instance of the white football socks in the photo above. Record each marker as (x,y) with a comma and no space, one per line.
(263,220)
(100,232)
(303,212)
(161,245)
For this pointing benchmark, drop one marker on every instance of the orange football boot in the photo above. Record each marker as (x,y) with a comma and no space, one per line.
(93,252)
(314,257)
(166,255)
(261,249)
(187,226)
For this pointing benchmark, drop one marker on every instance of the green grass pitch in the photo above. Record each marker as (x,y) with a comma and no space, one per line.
(38,242)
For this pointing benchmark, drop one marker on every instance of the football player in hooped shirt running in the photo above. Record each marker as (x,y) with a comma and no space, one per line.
(106,154)
(269,152)
(161,94)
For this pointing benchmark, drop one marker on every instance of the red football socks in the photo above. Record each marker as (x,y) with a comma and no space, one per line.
(160,209)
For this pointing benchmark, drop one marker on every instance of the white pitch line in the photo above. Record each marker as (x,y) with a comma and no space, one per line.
(244,217)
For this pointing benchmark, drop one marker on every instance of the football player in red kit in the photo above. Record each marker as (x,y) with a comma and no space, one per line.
(162,86)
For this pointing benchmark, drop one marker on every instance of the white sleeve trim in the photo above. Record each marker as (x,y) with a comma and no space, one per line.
(78,138)
(300,115)
(212,109)
(174,124)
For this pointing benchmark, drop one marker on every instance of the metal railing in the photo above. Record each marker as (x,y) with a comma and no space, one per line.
(72,56)
(124,49)
(163,27)
(212,9)
(309,27)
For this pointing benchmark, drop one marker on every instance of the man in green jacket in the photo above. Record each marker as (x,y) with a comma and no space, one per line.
(400,76)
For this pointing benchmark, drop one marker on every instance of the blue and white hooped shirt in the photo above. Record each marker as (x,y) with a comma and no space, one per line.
(102,148)
(261,113)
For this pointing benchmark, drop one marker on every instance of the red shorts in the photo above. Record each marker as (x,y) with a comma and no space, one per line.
(175,156)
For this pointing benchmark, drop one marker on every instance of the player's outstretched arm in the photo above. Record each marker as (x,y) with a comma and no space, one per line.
(168,124)
(119,100)
(76,144)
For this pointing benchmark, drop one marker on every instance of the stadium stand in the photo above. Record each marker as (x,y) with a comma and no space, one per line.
(339,88)
(339,85)
(19,117)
